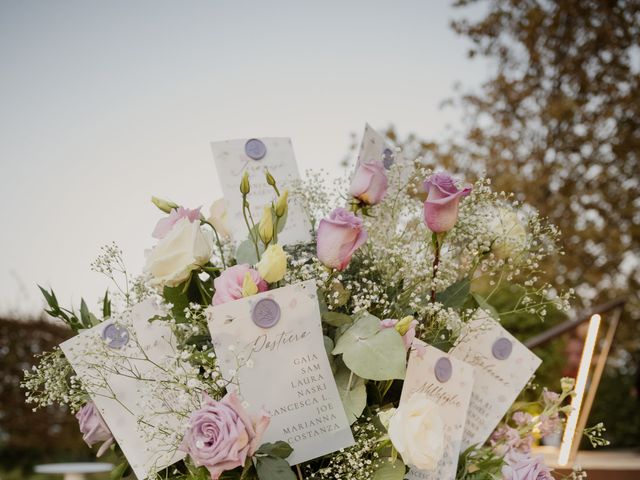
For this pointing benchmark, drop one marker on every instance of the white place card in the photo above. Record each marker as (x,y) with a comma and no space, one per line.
(503,367)
(256,156)
(448,382)
(376,147)
(122,365)
(272,344)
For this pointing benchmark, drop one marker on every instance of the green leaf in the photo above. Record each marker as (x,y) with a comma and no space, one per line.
(106,306)
(336,319)
(179,300)
(120,470)
(455,295)
(273,468)
(85,316)
(278,449)
(371,352)
(389,469)
(486,306)
(352,393)
(246,252)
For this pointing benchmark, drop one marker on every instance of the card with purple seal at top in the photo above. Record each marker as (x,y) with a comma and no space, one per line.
(448,382)
(503,367)
(121,364)
(375,147)
(256,156)
(271,348)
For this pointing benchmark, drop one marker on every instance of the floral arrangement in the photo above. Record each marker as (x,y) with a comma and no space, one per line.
(414,252)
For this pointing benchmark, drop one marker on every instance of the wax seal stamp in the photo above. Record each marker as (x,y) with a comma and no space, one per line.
(502,348)
(115,336)
(266,313)
(387,158)
(443,369)
(255,149)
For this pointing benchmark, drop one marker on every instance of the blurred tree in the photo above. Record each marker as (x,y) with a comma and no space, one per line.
(558,122)
(28,437)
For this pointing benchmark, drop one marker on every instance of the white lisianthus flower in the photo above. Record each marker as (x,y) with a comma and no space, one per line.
(185,248)
(417,432)
(218,217)
(385,417)
(509,232)
(273,264)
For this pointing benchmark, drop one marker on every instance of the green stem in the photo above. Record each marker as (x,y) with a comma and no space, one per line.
(245,208)
(218,242)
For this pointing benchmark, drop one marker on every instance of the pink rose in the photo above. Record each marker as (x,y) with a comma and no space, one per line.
(521,466)
(221,435)
(164,225)
(410,334)
(229,284)
(339,236)
(93,428)
(441,206)
(369,183)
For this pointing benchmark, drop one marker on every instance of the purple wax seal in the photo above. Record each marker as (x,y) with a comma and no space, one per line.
(115,336)
(502,348)
(266,313)
(443,369)
(255,149)
(387,158)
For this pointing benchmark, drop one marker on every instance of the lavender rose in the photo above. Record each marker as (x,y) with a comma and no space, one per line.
(237,282)
(339,236)
(521,466)
(93,428)
(369,183)
(441,206)
(221,435)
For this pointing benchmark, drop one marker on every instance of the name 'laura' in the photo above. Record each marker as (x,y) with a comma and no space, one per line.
(274,342)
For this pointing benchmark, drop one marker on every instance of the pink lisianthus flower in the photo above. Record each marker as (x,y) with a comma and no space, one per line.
(369,183)
(164,225)
(441,206)
(522,418)
(221,435)
(549,424)
(521,466)
(505,439)
(408,336)
(229,284)
(93,428)
(339,236)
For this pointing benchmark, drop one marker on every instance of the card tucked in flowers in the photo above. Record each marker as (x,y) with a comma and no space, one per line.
(255,156)
(435,397)
(503,367)
(137,383)
(271,345)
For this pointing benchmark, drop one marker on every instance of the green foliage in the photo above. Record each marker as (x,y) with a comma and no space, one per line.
(455,295)
(479,464)
(389,469)
(271,464)
(353,393)
(86,319)
(371,352)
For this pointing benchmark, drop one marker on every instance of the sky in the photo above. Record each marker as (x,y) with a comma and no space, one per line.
(103,104)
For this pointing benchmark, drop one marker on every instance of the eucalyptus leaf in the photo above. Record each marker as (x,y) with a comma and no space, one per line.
(455,295)
(389,469)
(273,468)
(486,306)
(278,449)
(336,319)
(371,352)
(353,393)
(246,252)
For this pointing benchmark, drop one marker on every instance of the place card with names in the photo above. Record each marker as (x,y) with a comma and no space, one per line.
(272,348)
(256,156)
(503,366)
(448,382)
(121,365)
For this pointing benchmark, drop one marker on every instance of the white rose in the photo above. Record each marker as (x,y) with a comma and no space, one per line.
(185,248)
(218,217)
(510,235)
(417,432)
